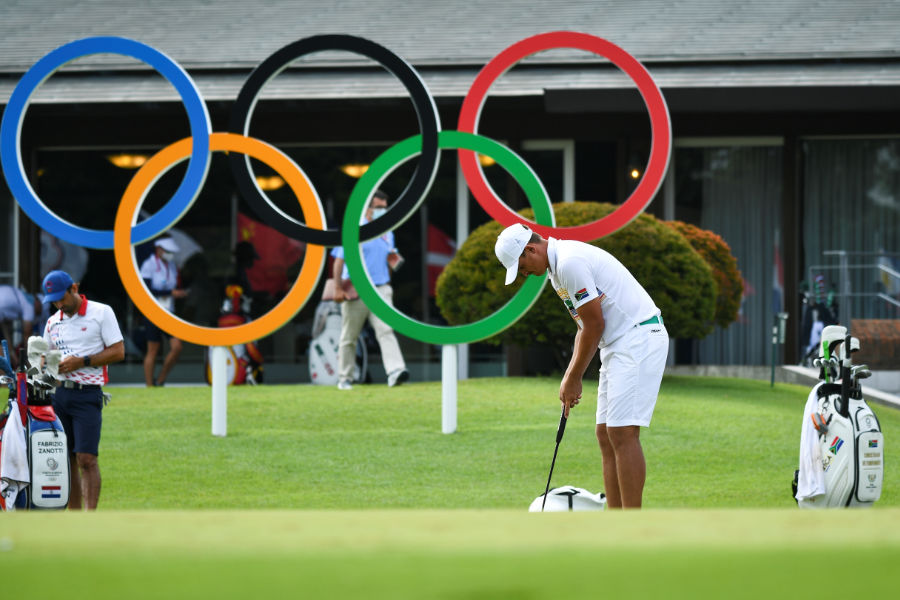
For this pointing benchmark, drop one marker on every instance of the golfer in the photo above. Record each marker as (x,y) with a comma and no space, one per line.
(613,312)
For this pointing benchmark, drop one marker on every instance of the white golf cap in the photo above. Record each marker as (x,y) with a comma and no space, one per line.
(167,244)
(509,247)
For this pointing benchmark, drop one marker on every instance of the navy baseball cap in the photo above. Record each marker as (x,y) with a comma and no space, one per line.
(55,285)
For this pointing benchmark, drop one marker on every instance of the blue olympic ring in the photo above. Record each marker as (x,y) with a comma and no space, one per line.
(11,131)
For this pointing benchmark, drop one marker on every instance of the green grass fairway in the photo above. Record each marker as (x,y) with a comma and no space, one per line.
(711,553)
(320,493)
(713,443)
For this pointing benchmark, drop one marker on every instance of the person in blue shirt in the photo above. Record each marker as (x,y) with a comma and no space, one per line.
(378,254)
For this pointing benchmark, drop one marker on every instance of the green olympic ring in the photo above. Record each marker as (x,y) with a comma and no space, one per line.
(389,160)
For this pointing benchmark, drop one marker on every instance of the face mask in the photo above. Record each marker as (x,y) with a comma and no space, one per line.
(377,212)
(168,256)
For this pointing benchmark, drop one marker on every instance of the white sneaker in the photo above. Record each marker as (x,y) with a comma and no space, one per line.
(343,384)
(398,377)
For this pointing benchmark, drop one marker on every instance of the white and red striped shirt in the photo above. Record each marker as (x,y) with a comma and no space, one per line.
(87,332)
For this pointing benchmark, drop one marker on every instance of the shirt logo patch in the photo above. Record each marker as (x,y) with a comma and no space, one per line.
(581,294)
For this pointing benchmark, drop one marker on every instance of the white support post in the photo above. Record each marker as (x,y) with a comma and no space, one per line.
(219,369)
(462,232)
(462,353)
(448,388)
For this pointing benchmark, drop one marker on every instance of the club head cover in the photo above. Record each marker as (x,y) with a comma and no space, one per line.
(37,347)
(51,362)
(568,498)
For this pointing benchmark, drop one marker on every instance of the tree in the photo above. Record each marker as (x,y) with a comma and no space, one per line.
(717,254)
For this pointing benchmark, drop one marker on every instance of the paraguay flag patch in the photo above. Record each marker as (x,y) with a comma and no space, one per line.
(50,491)
(581,294)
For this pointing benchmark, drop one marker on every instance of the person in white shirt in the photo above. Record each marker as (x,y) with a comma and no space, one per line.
(15,307)
(615,314)
(89,338)
(161,276)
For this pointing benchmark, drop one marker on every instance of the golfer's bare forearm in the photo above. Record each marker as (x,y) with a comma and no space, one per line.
(109,355)
(337,269)
(586,342)
(587,338)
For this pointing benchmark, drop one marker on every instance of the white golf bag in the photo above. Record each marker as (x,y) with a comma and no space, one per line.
(568,498)
(841,443)
(34,457)
(324,346)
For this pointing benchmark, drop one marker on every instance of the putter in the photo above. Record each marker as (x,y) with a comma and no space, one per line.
(559,435)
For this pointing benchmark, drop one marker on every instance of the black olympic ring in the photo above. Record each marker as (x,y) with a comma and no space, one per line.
(426,113)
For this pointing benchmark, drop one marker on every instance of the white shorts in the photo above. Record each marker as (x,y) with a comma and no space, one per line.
(631,371)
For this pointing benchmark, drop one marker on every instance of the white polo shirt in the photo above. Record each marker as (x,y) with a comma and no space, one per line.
(87,332)
(580,272)
(163,278)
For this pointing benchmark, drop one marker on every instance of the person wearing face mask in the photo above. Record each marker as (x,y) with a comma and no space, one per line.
(161,277)
(380,257)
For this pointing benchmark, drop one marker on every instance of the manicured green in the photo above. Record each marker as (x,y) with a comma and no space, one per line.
(365,498)
(712,443)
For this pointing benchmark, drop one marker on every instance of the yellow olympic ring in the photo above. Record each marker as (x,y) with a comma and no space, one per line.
(126,263)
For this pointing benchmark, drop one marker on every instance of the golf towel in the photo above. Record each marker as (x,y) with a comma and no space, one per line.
(811,479)
(14,475)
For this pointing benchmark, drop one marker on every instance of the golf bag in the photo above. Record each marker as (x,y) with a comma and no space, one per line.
(568,498)
(323,347)
(45,484)
(243,362)
(48,460)
(841,446)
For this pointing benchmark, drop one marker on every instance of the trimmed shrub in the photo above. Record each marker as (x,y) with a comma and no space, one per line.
(676,277)
(717,254)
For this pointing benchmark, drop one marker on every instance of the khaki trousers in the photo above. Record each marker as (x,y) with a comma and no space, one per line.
(353,316)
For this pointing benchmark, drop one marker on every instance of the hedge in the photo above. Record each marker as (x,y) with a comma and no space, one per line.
(661,259)
(717,254)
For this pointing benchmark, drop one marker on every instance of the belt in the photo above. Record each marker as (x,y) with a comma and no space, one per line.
(652,321)
(74,385)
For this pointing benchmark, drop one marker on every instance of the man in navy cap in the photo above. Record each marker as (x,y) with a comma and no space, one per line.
(89,338)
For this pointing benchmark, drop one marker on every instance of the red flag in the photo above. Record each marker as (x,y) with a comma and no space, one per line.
(441,250)
(277,253)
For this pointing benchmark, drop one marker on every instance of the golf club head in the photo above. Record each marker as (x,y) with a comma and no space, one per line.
(568,499)
(860,371)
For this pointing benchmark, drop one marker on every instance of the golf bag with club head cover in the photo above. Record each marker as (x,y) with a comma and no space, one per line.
(841,443)
(568,498)
(35,471)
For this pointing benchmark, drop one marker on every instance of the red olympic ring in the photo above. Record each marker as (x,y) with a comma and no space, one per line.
(660,128)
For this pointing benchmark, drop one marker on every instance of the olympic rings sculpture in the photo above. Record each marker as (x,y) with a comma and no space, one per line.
(127,232)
